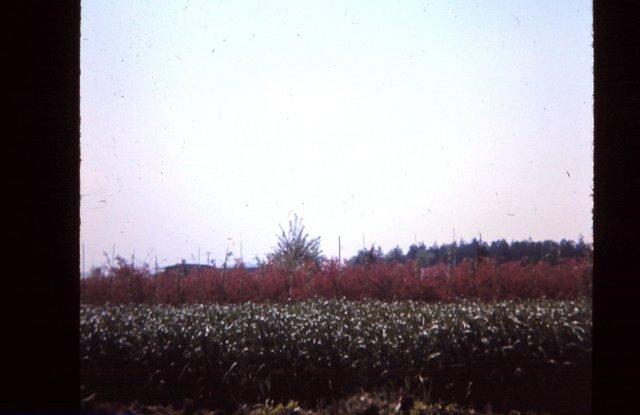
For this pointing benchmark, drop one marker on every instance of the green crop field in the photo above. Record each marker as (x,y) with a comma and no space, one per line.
(528,355)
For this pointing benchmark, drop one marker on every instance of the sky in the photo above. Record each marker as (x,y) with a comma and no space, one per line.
(207,124)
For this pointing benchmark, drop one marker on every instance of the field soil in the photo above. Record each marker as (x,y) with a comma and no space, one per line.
(362,404)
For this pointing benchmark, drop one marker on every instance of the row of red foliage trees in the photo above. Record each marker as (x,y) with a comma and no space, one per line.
(485,280)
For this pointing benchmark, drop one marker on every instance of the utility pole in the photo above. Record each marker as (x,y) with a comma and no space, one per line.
(364,246)
(208,263)
(156,264)
(133,258)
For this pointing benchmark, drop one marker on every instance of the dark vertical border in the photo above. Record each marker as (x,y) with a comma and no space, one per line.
(40,341)
(616,207)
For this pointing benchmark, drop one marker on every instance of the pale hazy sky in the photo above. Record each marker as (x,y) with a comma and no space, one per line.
(207,123)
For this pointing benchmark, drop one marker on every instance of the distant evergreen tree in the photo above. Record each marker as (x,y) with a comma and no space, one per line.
(367,256)
(395,256)
(423,256)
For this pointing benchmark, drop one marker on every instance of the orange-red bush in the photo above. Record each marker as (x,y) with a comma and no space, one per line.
(484,280)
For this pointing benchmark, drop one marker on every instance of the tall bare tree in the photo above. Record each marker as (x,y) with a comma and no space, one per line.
(295,247)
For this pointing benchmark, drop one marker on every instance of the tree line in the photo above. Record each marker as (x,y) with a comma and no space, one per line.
(501,251)
(296,247)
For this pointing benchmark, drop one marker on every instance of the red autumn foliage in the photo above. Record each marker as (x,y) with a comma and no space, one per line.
(485,280)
